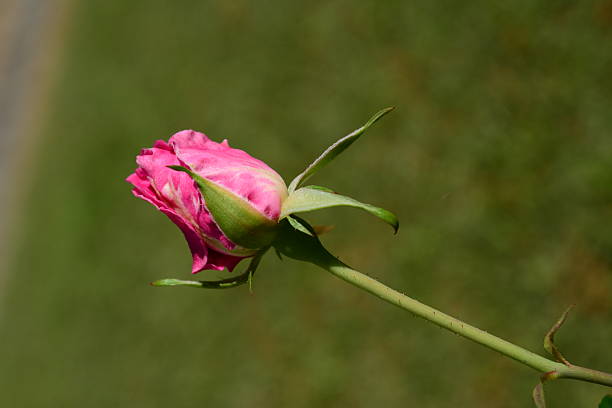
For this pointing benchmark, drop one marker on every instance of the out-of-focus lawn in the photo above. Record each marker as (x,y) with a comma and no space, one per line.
(498,162)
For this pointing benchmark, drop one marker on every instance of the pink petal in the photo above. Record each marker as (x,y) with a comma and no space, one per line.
(234,169)
(219,261)
(175,194)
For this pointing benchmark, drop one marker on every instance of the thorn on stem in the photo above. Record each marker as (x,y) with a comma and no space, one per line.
(549,344)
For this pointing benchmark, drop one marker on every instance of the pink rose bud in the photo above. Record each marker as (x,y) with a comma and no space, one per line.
(232,172)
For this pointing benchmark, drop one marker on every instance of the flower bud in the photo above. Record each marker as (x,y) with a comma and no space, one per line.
(244,196)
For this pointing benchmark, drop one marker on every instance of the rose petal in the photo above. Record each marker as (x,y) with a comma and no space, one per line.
(234,169)
(218,261)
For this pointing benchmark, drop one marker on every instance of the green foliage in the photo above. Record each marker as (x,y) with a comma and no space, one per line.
(334,150)
(606,402)
(308,199)
(228,283)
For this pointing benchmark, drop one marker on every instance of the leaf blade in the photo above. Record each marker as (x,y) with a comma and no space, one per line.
(308,199)
(245,277)
(334,150)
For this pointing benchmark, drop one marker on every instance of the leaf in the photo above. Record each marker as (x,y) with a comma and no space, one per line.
(549,344)
(238,220)
(334,150)
(308,199)
(176,282)
(220,284)
(606,402)
(245,277)
(329,190)
(538,395)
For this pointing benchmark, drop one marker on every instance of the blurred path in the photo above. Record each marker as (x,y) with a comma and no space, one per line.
(27,45)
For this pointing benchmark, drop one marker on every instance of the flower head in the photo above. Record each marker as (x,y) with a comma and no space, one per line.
(177,195)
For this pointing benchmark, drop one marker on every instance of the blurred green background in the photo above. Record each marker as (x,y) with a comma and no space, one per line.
(498,162)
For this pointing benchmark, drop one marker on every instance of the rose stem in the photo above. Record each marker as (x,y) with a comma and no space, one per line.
(306,248)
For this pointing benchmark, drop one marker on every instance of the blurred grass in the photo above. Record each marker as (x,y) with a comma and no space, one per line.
(498,162)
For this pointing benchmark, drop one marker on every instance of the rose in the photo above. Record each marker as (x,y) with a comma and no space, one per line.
(231,206)
(176,194)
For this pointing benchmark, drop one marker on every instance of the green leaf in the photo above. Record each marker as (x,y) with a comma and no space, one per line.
(308,199)
(606,402)
(220,284)
(176,282)
(238,220)
(329,190)
(334,150)
(245,277)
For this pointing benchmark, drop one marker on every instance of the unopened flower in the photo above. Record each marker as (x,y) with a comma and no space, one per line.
(257,192)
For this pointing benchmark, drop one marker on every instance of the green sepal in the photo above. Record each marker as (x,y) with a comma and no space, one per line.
(309,199)
(301,226)
(177,282)
(237,219)
(221,284)
(334,150)
(329,190)
(245,277)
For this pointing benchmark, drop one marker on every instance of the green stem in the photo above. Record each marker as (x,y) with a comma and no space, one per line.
(533,360)
(585,374)
(437,317)
(307,248)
